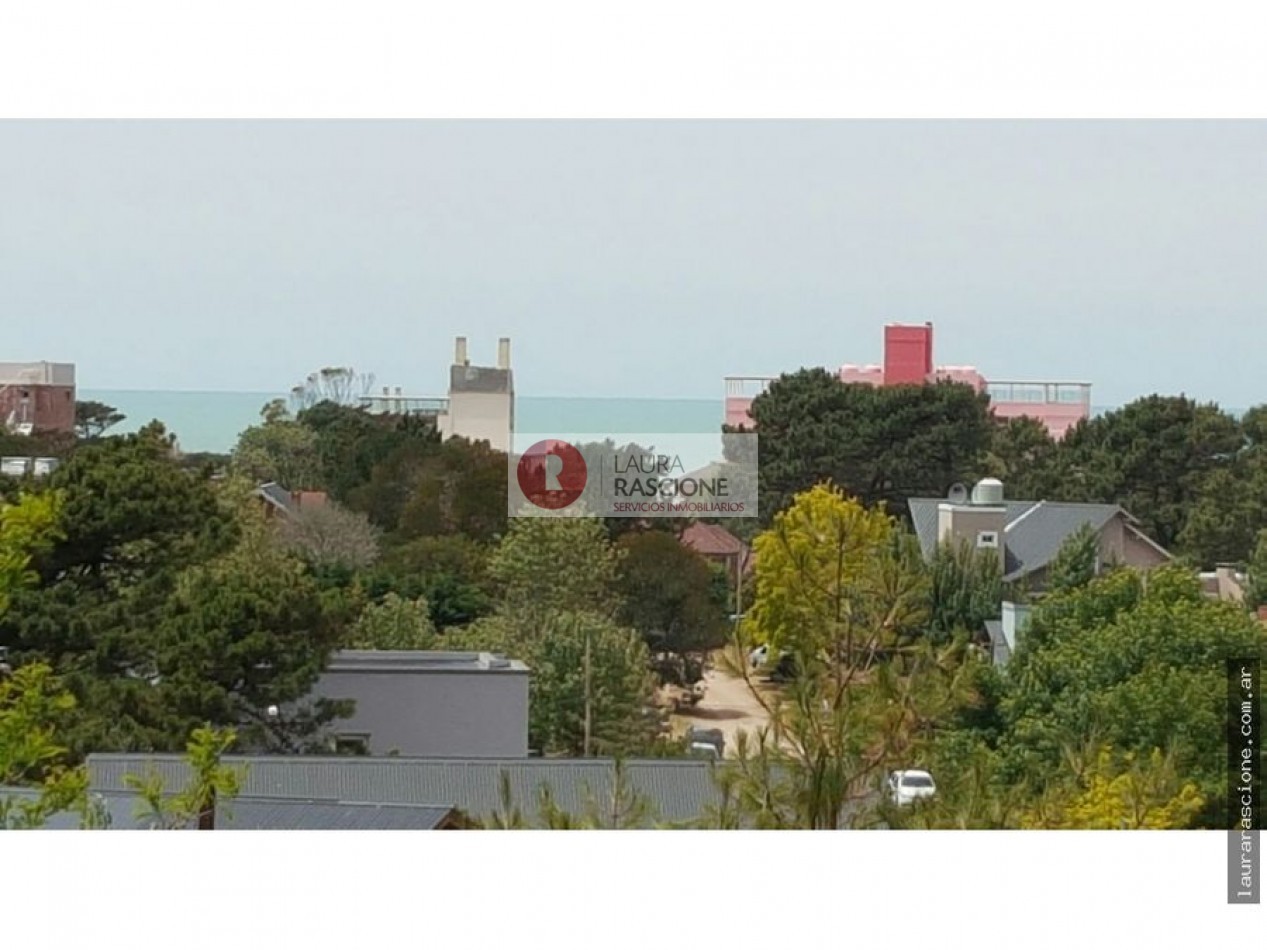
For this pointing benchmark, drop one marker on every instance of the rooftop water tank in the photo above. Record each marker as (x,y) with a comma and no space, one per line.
(988,491)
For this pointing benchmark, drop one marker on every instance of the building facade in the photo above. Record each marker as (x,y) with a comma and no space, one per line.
(480,405)
(908,360)
(37,397)
(429,703)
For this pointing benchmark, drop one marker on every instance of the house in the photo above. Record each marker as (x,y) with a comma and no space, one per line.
(677,790)
(429,703)
(719,545)
(908,360)
(1026,536)
(37,396)
(280,501)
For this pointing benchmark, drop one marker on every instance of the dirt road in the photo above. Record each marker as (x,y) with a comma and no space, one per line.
(728,705)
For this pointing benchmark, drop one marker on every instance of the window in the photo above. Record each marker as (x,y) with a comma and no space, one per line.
(352,743)
(987,539)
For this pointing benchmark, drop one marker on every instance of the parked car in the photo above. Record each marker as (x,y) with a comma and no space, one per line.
(708,742)
(909,785)
(758,656)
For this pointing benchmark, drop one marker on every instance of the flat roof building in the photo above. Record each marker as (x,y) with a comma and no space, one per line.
(37,396)
(908,360)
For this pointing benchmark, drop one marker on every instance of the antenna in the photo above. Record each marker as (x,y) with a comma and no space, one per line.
(958,493)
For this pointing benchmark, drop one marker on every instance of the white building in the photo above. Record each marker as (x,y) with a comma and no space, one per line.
(480,405)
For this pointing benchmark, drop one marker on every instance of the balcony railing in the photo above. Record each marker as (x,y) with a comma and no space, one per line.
(407,405)
(1040,392)
(747,387)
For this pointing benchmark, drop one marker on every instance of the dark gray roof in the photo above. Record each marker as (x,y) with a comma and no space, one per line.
(248,813)
(421,661)
(678,789)
(1033,530)
(479,379)
(275,495)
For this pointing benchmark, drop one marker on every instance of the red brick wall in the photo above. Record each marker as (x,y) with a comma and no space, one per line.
(51,408)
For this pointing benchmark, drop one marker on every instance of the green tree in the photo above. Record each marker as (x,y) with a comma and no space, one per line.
(822,570)
(965,590)
(590,693)
(1130,660)
(210,782)
(26,528)
(92,419)
(669,594)
(1077,561)
(394,623)
(1256,590)
(32,709)
(880,444)
(450,571)
(279,450)
(556,564)
(1152,457)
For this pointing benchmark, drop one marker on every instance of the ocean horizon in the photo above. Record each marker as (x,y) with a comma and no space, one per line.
(212,421)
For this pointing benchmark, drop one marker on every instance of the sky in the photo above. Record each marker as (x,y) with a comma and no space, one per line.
(635,258)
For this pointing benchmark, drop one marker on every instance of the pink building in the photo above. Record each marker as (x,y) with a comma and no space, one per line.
(908,359)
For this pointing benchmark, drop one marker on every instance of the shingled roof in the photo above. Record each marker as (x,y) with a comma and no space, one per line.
(1033,532)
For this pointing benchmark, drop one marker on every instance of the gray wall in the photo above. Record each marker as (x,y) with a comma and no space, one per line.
(455,713)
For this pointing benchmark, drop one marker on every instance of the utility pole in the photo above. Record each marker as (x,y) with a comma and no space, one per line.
(586,746)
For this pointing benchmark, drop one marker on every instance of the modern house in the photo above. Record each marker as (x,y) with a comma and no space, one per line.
(480,405)
(37,396)
(677,790)
(1026,536)
(908,359)
(429,703)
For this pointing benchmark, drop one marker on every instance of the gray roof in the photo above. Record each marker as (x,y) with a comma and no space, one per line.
(275,494)
(479,379)
(1033,530)
(421,661)
(678,789)
(248,813)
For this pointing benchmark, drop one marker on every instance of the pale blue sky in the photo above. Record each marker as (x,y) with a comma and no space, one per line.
(635,259)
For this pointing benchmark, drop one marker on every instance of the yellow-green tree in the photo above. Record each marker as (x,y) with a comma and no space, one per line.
(26,528)
(842,591)
(1121,792)
(834,579)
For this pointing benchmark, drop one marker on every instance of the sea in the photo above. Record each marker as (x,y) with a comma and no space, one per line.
(212,421)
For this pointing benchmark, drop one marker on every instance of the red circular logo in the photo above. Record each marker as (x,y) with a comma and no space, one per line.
(552,474)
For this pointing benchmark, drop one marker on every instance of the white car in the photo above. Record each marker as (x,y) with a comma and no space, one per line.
(908,785)
(758,656)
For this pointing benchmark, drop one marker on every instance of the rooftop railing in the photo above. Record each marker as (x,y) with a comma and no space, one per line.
(410,405)
(747,386)
(1039,392)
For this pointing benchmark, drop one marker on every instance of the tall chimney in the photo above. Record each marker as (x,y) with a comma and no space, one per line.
(503,353)
(459,356)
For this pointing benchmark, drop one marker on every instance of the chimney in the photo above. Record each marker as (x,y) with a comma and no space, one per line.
(459,356)
(503,353)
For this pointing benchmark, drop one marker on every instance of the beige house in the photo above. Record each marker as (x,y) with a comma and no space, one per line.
(1027,536)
